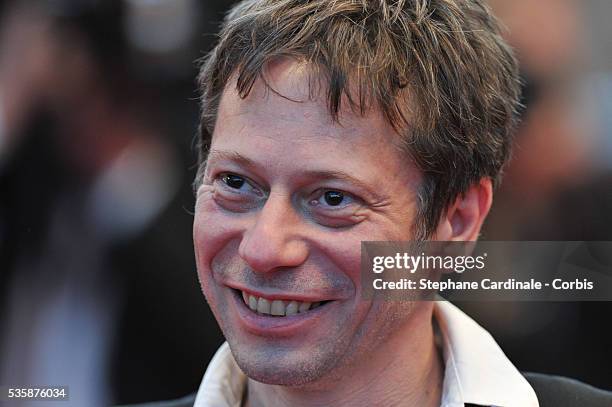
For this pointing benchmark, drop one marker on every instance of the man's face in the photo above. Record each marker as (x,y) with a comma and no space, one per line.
(288,195)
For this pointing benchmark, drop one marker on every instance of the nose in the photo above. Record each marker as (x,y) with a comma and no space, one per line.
(273,240)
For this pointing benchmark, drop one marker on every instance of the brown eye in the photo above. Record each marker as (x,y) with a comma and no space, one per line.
(333,198)
(233,181)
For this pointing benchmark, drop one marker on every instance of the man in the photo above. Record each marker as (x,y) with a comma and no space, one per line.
(325,124)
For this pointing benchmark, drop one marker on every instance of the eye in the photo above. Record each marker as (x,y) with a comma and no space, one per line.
(233,180)
(237,185)
(237,193)
(335,208)
(333,199)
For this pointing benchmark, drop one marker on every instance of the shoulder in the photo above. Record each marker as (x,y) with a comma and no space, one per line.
(186,401)
(552,391)
(556,391)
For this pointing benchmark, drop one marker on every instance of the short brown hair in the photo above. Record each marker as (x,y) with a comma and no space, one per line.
(438,70)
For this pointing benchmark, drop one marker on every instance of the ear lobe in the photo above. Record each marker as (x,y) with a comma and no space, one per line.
(464,218)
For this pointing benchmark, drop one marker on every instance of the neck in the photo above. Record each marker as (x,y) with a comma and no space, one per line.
(405,370)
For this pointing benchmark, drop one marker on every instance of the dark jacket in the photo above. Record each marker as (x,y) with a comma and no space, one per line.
(552,391)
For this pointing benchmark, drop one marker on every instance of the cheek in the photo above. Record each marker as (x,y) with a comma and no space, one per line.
(343,251)
(212,231)
(344,248)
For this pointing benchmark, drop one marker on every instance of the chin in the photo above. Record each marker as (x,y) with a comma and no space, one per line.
(284,368)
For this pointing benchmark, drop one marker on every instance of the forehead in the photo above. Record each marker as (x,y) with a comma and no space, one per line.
(291,93)
(285,127)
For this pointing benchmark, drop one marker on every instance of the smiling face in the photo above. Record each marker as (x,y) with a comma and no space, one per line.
(287,197)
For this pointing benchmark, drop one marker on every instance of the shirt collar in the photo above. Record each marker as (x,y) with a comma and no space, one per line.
(476,370)
(224,383)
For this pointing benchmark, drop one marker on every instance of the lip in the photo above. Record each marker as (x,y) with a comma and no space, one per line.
(263,325)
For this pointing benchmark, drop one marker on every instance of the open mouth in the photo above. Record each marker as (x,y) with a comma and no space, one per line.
(277,307)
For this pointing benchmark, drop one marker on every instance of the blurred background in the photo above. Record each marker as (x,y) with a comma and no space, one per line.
(98,117)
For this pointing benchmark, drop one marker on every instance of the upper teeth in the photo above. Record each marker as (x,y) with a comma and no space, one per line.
(277,307)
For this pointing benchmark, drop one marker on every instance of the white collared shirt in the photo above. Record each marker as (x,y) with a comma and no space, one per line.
(475,369)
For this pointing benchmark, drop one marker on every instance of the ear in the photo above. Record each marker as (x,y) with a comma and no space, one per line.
(464,218)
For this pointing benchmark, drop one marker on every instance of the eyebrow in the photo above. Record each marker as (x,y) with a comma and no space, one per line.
(329,175)
(220,155)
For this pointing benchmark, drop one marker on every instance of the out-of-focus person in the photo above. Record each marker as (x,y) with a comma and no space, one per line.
(555,187)
(93,224)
